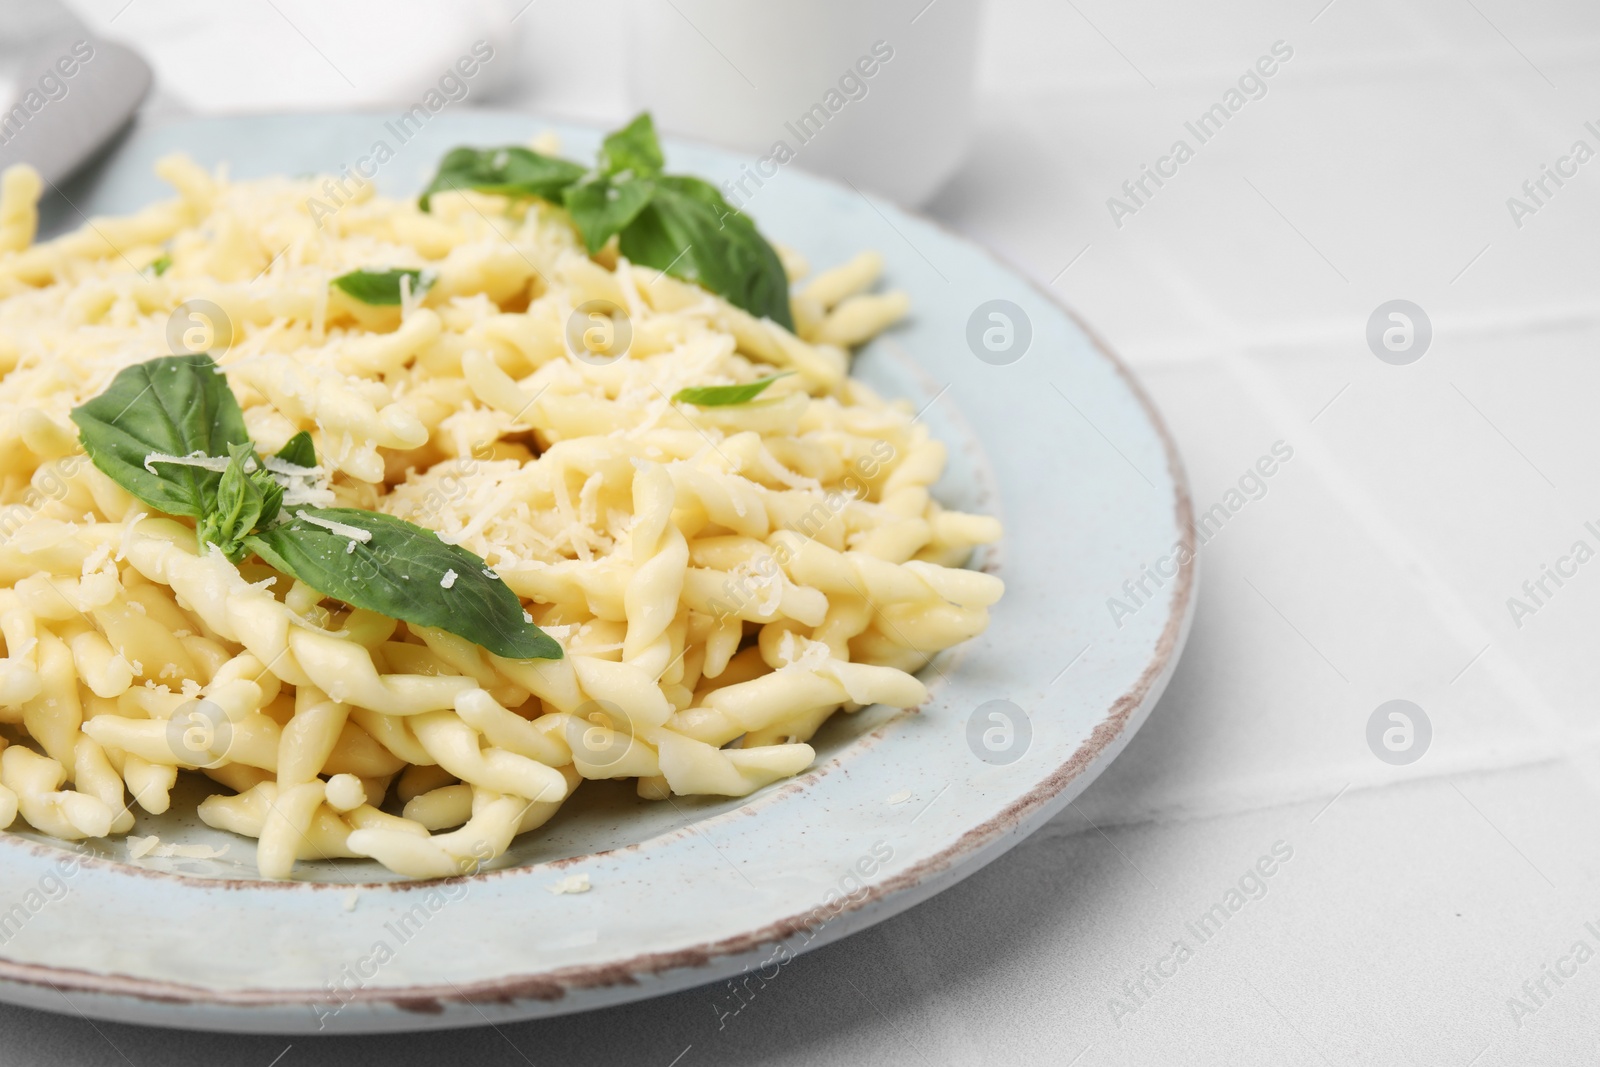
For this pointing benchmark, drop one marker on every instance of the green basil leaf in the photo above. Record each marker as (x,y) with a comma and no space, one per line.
(401,572)
(511,171)
(247,497)
(603,207)
(689,231)
(634,148)
(271,494)
(720,396)
(174,406)
(382,287)
(299,450)
(235,508)
(160,265)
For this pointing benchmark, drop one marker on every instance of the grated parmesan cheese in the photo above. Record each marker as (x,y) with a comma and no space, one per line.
(140,847)
(301,485)
(355,533)
(573,883)
(800,654)
(448,580)
(132,519)
(193,459)
(278,465)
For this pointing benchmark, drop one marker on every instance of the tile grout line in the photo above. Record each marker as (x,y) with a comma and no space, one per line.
(1327,335)
(1395,544)
(1222,806)
(1443,601)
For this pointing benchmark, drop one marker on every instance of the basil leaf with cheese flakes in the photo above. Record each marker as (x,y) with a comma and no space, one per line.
(151,419)
(383,287)
(511,171)
(386,565)
(170,432)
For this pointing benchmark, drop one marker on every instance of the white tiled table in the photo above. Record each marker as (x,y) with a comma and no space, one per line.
(1418,899)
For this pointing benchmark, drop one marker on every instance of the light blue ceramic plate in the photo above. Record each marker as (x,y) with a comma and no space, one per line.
(1050,434)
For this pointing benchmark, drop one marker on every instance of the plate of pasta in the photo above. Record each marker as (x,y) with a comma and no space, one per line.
(497,568)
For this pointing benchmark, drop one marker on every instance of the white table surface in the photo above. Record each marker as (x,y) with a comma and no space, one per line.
(1418,899)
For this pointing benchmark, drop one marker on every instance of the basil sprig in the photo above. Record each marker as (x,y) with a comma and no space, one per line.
(170,432)
(382,287)
(721,396)
(247,499)
(674,223)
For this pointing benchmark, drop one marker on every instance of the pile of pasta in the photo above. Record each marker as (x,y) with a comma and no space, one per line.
(721,579)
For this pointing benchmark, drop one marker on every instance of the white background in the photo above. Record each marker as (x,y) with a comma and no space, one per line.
(1418,899)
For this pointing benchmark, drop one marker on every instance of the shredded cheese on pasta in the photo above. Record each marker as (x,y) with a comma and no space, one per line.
(721,579)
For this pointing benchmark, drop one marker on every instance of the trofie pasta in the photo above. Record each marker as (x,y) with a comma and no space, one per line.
(722,570)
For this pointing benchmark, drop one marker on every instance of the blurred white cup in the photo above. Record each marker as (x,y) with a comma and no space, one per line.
(876,92)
